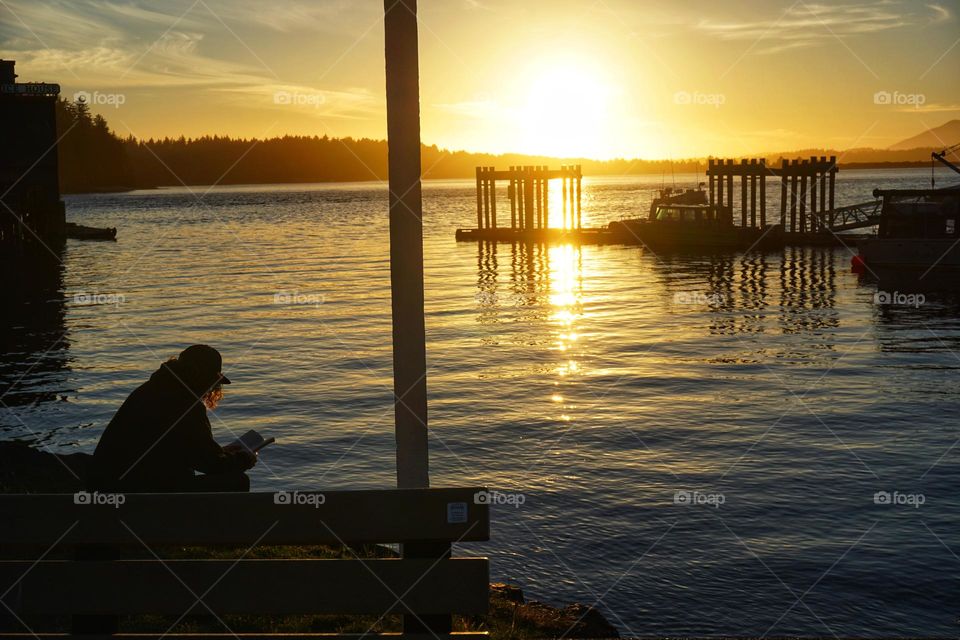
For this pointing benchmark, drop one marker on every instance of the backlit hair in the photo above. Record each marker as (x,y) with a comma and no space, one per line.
(213,397)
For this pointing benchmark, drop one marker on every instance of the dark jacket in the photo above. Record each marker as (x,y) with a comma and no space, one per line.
(157,439)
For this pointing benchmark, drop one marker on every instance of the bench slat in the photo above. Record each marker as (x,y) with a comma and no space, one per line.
(247,586)
(378,516)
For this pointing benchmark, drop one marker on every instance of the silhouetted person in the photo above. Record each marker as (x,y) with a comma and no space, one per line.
(161,434)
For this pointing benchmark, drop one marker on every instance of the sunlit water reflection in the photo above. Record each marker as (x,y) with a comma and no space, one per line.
(602,383)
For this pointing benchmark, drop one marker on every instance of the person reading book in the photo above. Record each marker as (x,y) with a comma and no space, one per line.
(161,435)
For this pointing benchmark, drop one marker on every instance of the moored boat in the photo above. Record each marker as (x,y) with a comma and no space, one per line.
(81,232)
(919,229)
(687,221)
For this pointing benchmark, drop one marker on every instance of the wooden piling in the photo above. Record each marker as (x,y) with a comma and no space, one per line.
(528,196)
(537,212)
(783,193)
(546,202)
(479,198)
(711,179)
(512,196)
(803,196)
(493,199)
(793,196)
(814,175)
(520,193)
(763,192)
(563,185)
(823,188)
(720,187)
(743,192)
(485,184)
(579,208)
(730,183)
(833,177)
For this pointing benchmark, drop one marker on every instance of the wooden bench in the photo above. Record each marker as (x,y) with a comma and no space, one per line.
(426,585)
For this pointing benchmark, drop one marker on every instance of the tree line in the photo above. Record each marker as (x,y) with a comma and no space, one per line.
(94,158)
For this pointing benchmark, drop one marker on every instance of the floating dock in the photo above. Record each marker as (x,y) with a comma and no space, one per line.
(807,212)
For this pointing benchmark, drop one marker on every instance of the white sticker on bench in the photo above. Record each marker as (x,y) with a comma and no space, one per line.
(456,512)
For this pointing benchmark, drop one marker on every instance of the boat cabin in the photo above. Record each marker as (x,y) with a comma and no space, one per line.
(693,214)
(919,213)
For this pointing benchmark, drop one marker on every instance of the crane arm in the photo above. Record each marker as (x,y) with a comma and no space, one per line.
(942,157)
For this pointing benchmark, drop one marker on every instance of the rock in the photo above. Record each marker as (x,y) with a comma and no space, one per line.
(541,620)
(591,623)
(508,592)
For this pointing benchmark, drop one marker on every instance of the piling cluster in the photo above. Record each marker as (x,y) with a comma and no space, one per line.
(806,190)
(528,190)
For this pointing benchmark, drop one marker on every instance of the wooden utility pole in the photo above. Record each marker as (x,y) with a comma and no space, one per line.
(406,242)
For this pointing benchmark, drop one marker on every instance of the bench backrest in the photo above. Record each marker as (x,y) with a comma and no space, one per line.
(428,520)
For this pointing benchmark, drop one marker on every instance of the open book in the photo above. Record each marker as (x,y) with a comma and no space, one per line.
(252,441)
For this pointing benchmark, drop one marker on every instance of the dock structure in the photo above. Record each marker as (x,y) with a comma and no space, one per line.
(807,189)
(808,215)
(528,189)
(30,205)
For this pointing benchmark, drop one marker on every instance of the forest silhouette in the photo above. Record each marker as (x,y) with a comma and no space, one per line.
(94,158)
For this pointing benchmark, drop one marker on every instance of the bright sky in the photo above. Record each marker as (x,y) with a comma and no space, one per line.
(604,78)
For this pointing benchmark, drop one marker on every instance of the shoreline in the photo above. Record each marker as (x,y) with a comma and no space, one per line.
(848,166)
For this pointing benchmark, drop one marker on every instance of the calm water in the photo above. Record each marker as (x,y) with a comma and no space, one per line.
(597,382)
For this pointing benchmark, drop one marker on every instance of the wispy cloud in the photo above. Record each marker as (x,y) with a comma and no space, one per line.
(105,44)
(933,107)
(809,24)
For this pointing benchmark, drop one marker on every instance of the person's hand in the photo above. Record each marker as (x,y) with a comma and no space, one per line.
(250,456)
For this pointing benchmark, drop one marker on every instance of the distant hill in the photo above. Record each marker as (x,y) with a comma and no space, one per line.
(936,138)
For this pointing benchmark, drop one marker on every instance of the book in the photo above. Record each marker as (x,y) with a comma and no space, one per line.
(252,441)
